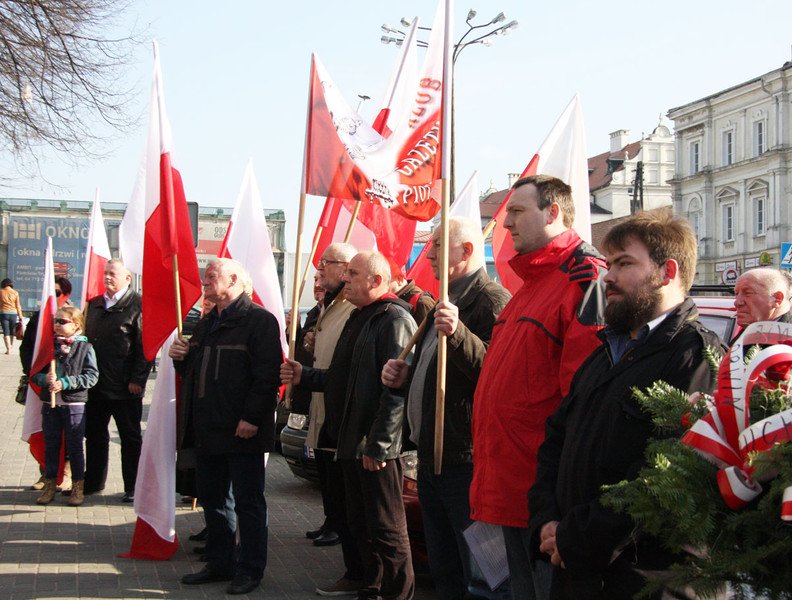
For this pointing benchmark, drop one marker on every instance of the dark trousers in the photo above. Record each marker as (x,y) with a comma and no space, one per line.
(331,480)
(216,476)
(530,580)
(375,512)
(126,413)
(56,424)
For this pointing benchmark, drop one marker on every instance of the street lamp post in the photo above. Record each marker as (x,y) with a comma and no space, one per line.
(484,34)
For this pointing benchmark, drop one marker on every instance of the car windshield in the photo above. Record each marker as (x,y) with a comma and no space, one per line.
(722,325)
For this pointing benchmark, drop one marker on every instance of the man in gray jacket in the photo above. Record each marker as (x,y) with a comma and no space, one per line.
(369,431)
(467,319)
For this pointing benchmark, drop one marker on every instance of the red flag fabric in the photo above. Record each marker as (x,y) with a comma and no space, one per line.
(346,158)
(43,353)
(96,256)
(159,207)
(563,155)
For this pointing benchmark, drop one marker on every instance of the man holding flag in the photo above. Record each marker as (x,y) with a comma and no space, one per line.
(539,340)
(228,396)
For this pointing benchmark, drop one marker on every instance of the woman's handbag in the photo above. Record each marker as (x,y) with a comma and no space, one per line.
(21,393)
(19,331)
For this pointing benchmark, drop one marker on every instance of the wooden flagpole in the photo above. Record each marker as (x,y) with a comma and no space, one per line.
(177,290)
(52,394)
(314,247)
(488,229)
(406,352)
(351,225)
(295,307)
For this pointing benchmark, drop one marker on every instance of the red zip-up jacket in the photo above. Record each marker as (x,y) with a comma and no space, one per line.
(539,340)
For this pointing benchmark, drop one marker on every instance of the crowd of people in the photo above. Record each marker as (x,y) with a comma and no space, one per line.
(539,411)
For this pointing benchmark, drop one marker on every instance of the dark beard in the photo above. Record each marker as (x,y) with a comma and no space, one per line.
(636,309)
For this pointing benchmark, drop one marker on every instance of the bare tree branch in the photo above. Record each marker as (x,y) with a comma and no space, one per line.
(61,79)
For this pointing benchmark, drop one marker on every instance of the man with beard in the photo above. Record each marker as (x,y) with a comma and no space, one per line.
(599,434)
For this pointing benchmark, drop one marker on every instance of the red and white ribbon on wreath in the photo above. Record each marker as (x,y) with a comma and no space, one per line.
(725,435)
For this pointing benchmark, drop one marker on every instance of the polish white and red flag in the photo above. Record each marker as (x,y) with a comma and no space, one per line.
(347,158)
(562,155)
(43,353)
(248,242)
(377,227)
(96,256)
(466,204)
(157,215)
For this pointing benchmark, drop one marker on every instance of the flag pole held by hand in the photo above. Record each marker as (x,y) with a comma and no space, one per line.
(52,393)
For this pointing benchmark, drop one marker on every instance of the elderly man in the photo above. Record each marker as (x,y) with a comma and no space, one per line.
(113,326)
(542,336)
(369,432)
(230,371)
(467,320)
(763,295)
(599,434)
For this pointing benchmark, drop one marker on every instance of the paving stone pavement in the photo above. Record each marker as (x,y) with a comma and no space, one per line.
(61,552)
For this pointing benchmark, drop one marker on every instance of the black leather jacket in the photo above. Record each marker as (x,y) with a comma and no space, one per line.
(371,422)
(115,334)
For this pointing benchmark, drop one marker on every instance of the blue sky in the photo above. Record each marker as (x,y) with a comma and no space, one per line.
(236,81)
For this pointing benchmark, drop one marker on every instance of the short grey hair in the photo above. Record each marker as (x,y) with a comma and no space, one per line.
(377,264)
(229,266)
(341,250)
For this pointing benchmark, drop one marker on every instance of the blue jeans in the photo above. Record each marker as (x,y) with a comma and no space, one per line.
(445,507)
(529,580)
(56,423)
(216,475)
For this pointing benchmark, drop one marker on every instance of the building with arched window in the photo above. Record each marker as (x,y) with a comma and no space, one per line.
(733,174)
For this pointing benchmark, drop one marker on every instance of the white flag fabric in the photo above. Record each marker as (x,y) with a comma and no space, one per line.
(248,242)
(96,256)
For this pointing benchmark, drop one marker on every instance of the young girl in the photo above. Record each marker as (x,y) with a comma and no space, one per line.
(75,373)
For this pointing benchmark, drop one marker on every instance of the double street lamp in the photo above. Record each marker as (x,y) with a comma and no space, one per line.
(483,34)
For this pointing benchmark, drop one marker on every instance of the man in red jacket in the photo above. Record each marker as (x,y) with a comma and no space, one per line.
(539,340)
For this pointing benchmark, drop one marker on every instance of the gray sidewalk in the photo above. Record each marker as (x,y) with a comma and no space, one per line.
(61,552)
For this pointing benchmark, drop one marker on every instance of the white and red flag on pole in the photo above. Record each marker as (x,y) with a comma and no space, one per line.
(346,158)
(465,205)
(377,227)
(157,214)
(155,529)
(96,256)
(43,353)
(248,242)
(562,155)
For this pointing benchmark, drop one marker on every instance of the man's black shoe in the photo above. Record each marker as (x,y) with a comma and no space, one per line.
(206,575)
(243,584)
(128,498)
(314,533)
(200,536)
(199,550)
(328,538)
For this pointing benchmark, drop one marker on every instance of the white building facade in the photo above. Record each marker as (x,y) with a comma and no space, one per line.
(732,174)
(612,174)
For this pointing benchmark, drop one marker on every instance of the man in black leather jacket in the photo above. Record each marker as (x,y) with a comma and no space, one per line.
(467,319)
(369,432)
(113,327)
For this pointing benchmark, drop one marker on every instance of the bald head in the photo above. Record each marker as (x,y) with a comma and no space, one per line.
(762,295)
(366,278)
(465,248)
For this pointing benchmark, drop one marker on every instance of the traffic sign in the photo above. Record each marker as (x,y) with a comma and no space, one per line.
(786,255)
